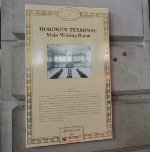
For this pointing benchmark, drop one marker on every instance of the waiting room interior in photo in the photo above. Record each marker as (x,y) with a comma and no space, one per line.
(69,61)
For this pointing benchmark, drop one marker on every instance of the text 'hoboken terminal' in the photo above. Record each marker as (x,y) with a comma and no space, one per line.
(67,32)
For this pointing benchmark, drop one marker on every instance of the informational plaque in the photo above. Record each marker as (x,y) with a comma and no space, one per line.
(68,88)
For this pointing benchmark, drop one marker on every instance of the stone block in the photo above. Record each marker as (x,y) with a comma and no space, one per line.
(6,125)
(126,16)
(6,20)
(6,70)
(131,119)
(18,69)
(130,66)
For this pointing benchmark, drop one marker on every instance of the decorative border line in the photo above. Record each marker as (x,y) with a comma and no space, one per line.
(28,79)
(55,139)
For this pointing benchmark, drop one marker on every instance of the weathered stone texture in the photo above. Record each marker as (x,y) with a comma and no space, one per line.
(6,20)
(127,23)
(6,71)
(18,72)
(6,125)
(130,68)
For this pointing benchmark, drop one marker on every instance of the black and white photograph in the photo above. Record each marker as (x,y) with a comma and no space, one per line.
(69,61)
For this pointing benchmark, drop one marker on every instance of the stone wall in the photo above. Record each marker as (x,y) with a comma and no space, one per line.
(130,68)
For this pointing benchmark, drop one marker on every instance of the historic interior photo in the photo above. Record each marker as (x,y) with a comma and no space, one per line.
(69,61)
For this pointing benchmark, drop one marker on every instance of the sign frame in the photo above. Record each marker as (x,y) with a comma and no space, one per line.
(31,141)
